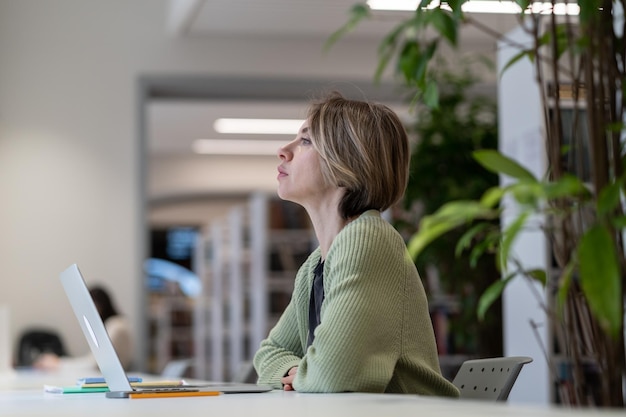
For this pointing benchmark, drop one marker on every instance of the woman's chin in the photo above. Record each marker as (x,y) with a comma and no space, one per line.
(285,196)
(282,194)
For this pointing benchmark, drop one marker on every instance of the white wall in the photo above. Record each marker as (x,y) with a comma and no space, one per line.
(192,174)
(69,155)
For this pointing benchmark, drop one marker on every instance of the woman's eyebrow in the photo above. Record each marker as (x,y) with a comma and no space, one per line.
(304,130)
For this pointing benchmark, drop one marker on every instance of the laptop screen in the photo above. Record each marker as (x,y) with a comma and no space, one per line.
(94,330)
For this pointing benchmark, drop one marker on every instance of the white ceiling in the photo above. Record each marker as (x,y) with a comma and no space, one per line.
(188,189)
(173,125)
(297,18)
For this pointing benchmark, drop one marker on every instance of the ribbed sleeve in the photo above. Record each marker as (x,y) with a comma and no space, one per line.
(375,333)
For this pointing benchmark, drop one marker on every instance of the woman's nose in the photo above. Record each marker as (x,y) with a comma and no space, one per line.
(284,152)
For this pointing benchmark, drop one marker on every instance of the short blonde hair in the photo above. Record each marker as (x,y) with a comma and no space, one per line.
(363,147)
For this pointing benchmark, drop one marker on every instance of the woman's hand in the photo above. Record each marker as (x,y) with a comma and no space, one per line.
(287,380)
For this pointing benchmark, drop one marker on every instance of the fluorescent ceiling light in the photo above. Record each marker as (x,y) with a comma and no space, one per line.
(478,6)
(571,9)
(258,126)
(237,147)
(486,6)
(398,5)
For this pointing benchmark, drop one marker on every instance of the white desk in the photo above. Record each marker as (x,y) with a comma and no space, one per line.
(22,395)
(272,404)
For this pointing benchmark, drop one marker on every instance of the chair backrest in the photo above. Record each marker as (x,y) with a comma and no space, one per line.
(176,368)
(246,373)
(489,379)
(34,342)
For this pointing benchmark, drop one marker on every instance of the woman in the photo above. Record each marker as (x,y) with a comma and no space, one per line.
(117,327)
(358,318)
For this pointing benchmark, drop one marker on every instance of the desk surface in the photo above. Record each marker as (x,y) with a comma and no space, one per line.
(37,403)
(18,401)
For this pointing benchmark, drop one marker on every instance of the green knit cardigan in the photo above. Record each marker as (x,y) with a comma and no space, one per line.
(375,333)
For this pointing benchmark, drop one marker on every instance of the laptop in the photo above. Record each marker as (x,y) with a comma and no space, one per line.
(107,359)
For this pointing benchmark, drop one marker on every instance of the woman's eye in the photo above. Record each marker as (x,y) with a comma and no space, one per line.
(306,141)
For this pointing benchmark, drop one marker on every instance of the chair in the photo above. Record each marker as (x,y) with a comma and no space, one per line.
(176,368)
(489,379)
(34,342)
(246,373)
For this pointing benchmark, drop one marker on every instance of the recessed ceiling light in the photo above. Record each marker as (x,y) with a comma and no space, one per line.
(258,126)
(237,147)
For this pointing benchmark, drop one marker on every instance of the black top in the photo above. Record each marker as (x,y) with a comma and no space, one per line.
(317,297)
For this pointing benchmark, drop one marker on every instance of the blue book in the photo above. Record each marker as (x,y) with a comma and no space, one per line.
(100,380)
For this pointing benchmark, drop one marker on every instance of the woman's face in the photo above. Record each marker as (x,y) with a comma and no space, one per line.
(300,177)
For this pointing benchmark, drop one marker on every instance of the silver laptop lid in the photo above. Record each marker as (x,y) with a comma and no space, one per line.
(94,330)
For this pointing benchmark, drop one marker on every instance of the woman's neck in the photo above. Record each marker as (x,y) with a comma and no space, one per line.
(327,227)
(327,222)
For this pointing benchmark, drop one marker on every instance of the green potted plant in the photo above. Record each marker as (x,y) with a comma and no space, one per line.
(443,170)
(581,211)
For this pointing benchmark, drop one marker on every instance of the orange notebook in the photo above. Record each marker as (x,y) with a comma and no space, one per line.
(147,394)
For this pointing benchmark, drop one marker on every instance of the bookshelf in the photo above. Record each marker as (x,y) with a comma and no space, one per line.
(247,262)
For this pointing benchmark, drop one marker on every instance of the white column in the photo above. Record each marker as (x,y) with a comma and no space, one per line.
(6,357)
(200,322)
(217,302)
(236,324)
(520,127)
(258,270)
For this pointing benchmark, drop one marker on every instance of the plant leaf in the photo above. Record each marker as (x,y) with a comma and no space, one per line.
(358,12)
(564,283)
(448,217)
(538,275)
(509,236)
(566,186)
(478,250)
(619,222)
(487,244)
(588,9)
(457,9)
(528,193)
(491,294)
(609,198)
(465,240)
(616,127)
(387,48)
(492,196)
(425,235)
(600,278)
(464,210)
(411,62)
(423,4)
(516,58)
(494,161)
(431,95)
(444,24)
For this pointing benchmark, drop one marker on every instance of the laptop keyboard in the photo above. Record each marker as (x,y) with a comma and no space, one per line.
(166,389)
